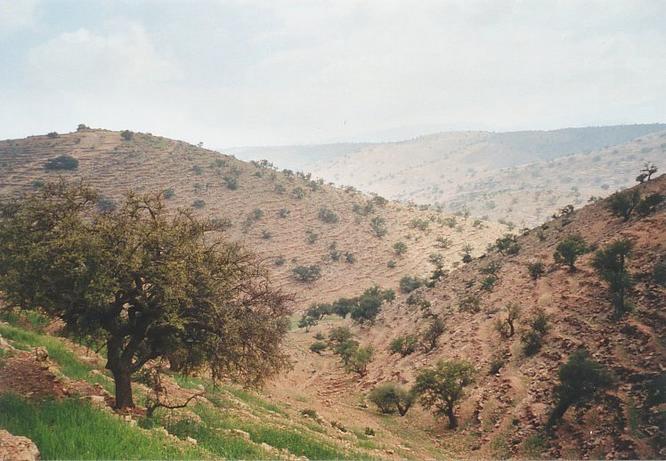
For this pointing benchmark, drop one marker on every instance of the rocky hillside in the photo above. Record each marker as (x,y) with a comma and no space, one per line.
(505,410)
(290,219)
(522,177)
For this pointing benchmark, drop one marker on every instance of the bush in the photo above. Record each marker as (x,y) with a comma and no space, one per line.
(569,249)
(404,345)
(431,335)
(82,127)
(580,380)
(622,204)
(266,235)
(61,162)
(231,182)
(659,272)
(359,360)
(307,273)
(506,328)
(168,193)
(391,264)
(378,226)
(318,347)
(390,397)
(470,304)
(507,245)
(368,305)
(610,264)
(198,203)
(280,260)
(532,336)
(496,364)
(283,213)
(536,269)
(311,237)
(649,204)
(420,224)
(127,135)
(52,134)
(328,216)
(197,170)
(105,204)
(399,248)
(37,184)
(488,283)
(409,283)
(298,193)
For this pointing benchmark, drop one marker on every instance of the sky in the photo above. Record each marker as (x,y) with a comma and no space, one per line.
(247,72)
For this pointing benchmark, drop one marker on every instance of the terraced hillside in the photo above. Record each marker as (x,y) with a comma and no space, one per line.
(505,410)
(522,177)
(290,219)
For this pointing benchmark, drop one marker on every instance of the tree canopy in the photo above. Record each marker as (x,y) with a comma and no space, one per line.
(150,283)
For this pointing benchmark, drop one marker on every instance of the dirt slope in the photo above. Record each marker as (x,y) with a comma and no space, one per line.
(504,413)
(151,163)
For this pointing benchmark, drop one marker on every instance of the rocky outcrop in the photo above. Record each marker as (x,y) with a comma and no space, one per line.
(17,448)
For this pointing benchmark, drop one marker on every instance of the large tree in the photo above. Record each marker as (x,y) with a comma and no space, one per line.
(442,387)
(149,283)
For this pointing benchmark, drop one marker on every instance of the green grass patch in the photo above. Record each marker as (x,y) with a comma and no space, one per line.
(71,429)
(25,319)
(534,445)
(251,399)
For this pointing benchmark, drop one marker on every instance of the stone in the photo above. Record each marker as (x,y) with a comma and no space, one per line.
(189,439)
(17,448)
(41,354)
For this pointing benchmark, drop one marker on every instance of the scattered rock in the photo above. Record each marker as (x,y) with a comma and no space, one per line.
(17,448)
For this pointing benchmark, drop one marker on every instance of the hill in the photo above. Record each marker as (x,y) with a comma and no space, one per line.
(290,219)
(505,410)
(522,177)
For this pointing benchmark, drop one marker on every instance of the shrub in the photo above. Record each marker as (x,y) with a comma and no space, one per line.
(61,162)
(496,364)
(507,245)
(198,203)
(368,305)
(649,204)
(307,273)
(409,283)
(231,182)
(379,200)
(506,327)
(37,184)
(318,347)
(82,127)
(488,283)
(442,242)
(420,224)
(311,237)
(280,189)
(52,134)
(127,135)
(399,248)
(470,304)
(378,226)
(390,397)
(610,264)
(431,335)
(442,387)
(532,336)
(298,193)
(105,204)
(266,234)
(580,380)
(328,216)
(339,335)
(359,360)
(404,345)
(536,269)
(391,264)
(569,249)
(197,170)
(168,193)
(280,260)
(283,213)
(350,258)
(659,272)
(622,204)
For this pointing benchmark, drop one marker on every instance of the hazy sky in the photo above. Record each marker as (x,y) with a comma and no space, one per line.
(275,72)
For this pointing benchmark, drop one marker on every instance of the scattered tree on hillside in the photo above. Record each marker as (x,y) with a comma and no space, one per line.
(378,226)
(507,245)
(390,397)
(569,249)
(506,327)
(581,378)
(150,284)
(649,204)
(646,173)
(409,284)
(610,263)
(61,162)
(536,269)
(622,204)
(430,336)
(127,135)
(534,331)
(404,345)
(359,359)
(307,273)
(441,387)
(328,216)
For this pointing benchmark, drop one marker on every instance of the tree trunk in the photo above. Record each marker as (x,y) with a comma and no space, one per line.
(453,421)
(123,382)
